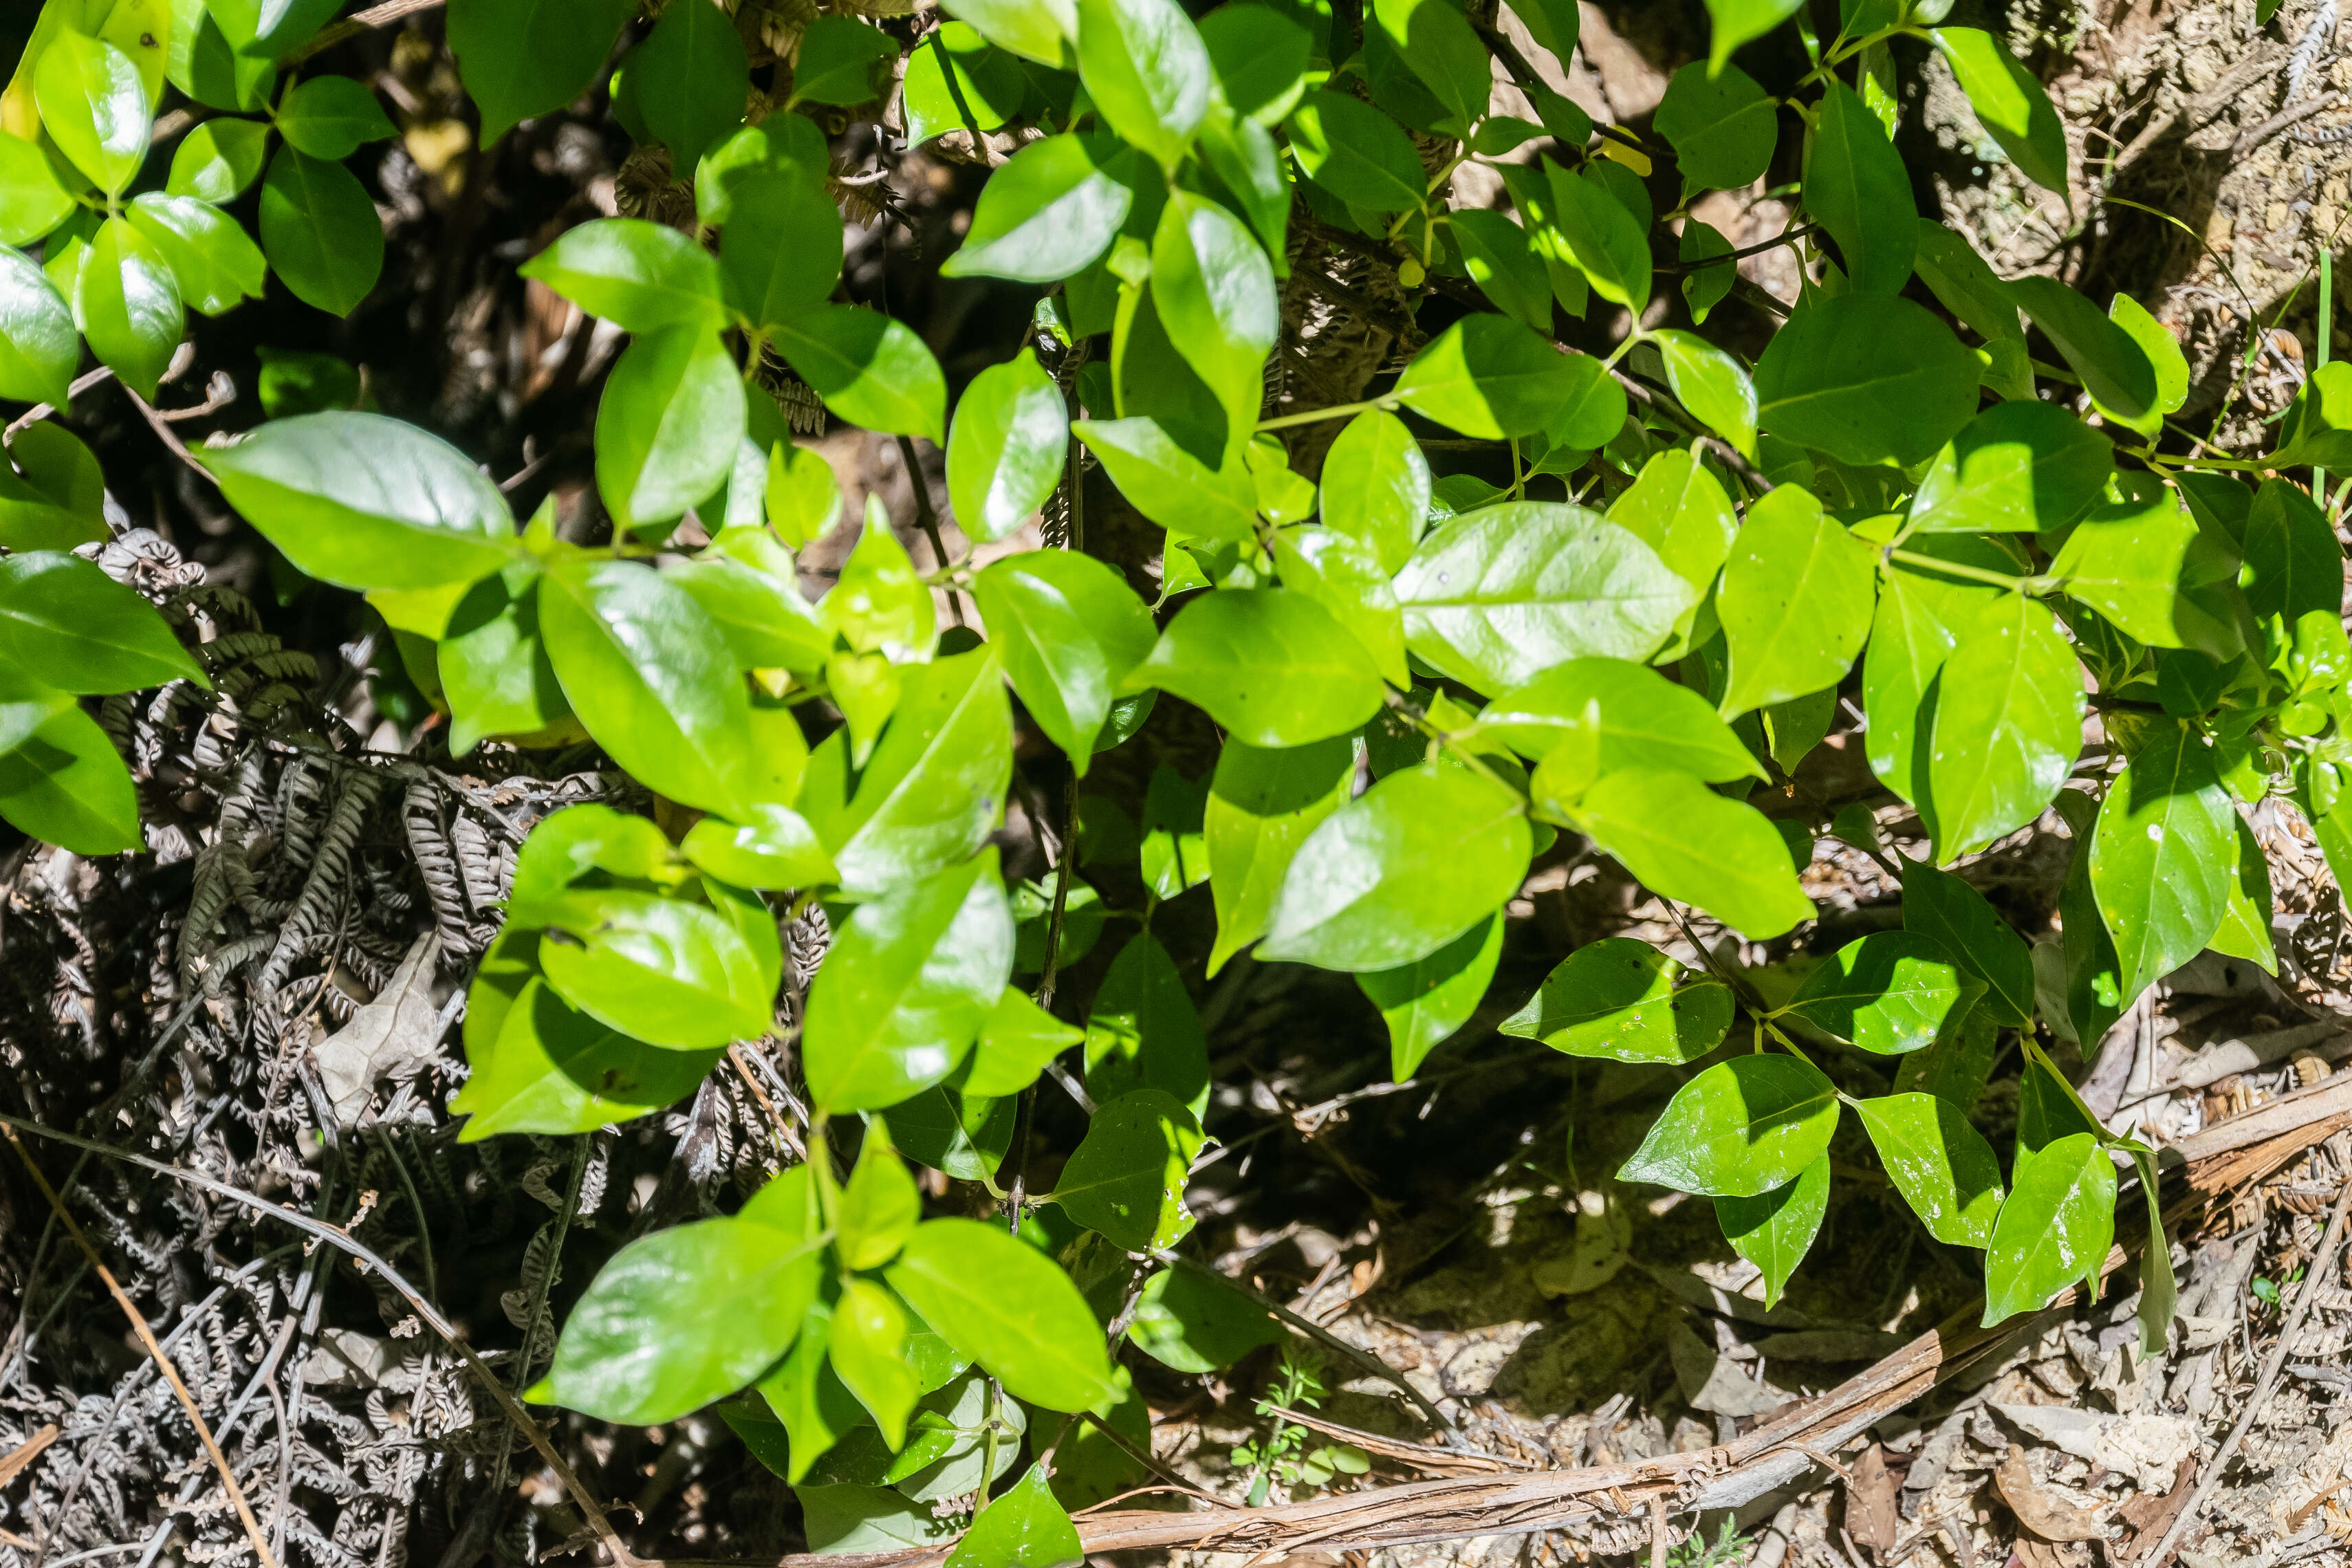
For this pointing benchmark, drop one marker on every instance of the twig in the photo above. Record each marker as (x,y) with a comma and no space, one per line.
(169,436)
(383,15)
(163,1363)
(1789,237)
(2277,122)
(40,411)
(2322,1262)
(1658,1531)
(1150,1462)
(334,1237)
(928,520)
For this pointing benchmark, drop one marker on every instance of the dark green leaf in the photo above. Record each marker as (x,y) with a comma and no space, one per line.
(1864,378)
(1857,189)
(1126,1177)
(1739,1129)
(2009,103)
(2164,858)
(321,231)
(1142,1031)
(841,60)
(523,58)
(780,251)
(1436,44)
(1721,125)
(213,262)
(1260,56)
(1942,1165)
(330,116)
(2115,369)
(1941,906)
(691,78)
(1738,21)
(2293,564)
(1774,1230)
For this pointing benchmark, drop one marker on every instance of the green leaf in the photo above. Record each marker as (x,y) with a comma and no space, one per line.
(551,1068)
(1356,152)
(1607,242)
(2245,929)
(1866,377)
(961,1134)
(667,424)
(1686,842)
(95,105)
(1007,448)
(2319,424)
(649,674)
(1645,721)
(1721,125)
(1942,1165)
(1194,1321)
(879,1207)
(1214,291)
(1708,274)
(1941,906)
(782,146)
(1023,1527)
(1857,189)
(781,250)
(321,231)
(1168,484)
(1501,260)
(878,602)
(67,624)
(523,58)
(869,368)
(869,1352)
(1625,1000)
(1887,992)
(1392,877)
(1143,1032)
(39,346)
(1346,579)
(2009,103)
(1040,30)
(1126,1177)
(1008,1307)
(933,789)
(691,78)
(1495,596)
(1069,630)
(269,28)
(804,498)
(2293,564)
(331,115)
(1016,1041)
(1425,1002)
(129,305)
(2164,855)
(1054,208)
(1376,487)
(2164,356)
(1173,857)
(365,501)
(1774,1230)
(903,992)
(775,847)
(1738,21)
(640,276)
(666,972)
(766,623)
(1436,43)
(2055,1227)
(2017,467)
(31,202)
(65,785)
(1274,668)
(958,80)
(1795,602)
(1241,153)
(1739,1129)
(1487,376)
(2008,724)
(1262,805)
(841,60)
(1145,66)
(214,266)
(1710,384)
(1261,57)
(682,1317)
(2115,369)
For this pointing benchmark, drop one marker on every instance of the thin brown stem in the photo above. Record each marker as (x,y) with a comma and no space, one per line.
(929,520)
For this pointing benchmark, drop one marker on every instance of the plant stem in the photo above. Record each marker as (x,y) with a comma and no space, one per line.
(2034,587)
(1316,415)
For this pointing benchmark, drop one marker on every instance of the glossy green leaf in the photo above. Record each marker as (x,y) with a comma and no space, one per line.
(214,264)
(366,501)
(2245,929)
(1487,376)
(1888,993)
(869,1352)
(841,60)
(64,784)
(129,305)
(1942,1165)
(680,1318)
(2008,724)
(1005,1304)
(870,369)
(1168,484)
(1274,668)
(766,623)
(1607,243)
(1024,1527)
(1173,857)
(1774,1230)
(321,231)
(1645,720)
(1942,906)
(67,624)
(331,117)
(2164,356)
(1126,1177)
(1425,1002)
(2164,858)
(1392,877)
(690,77)
(879,1207)
(1738,21)
(1262,805)
(1502,261)
(1144,64)
(1679,507)
(956,79)
(39,346)
(775,847)
(804,498)
(903,992)
(667,424)
(1143,1032)
(1040,30)
(2009,103)
(2319,424)
(2017,467)
(1796,601)
(1710,384)
(1049,211)
(957,1134)
(31,202)
(551,1068)
(1069,629)
(523,58)
(1857,189)
(1376,486)
(638,275)
(1193,1321)
(1007,449)
(1345,578)
(1214,291)
(1683,840)
(1436,43)
(2115,369)
(665,971)
(1016,1040)
(2053,1228)
(1866,377)
(933,789)
(95,106)
(1720,125)
(1495,596)
(2293,564)
(1356,152)
(1739,1129)
(781,250)
(1625,1000)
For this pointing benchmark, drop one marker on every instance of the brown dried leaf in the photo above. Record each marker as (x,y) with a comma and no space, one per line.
(1870,1514)
(2043,1515)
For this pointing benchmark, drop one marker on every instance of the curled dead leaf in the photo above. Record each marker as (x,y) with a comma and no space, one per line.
(2042,1514)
